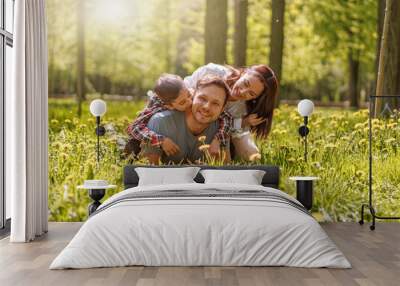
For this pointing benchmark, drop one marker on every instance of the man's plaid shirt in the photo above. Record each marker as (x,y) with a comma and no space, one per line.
(138,129)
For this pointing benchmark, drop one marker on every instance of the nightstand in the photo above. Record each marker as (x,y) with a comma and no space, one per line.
(304,190)
(96,193)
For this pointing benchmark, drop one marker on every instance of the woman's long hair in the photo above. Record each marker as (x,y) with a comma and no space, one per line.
(264,104)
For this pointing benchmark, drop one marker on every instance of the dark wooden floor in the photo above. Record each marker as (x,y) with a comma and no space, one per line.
(375,257)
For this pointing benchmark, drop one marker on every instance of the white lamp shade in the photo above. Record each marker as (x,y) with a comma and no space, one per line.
(305,107)
(98,107)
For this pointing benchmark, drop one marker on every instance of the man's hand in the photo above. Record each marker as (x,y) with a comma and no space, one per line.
(253,120)
(169,147)
(214,149)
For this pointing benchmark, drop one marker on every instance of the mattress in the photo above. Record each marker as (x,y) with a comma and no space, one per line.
(201,225)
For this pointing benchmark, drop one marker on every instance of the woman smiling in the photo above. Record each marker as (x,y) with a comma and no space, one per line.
(254,91)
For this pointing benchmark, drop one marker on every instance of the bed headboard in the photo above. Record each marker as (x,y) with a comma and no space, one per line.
(270,179)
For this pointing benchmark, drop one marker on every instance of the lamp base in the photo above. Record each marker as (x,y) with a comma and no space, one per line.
(100,130)
(304,193)
(96,195)
(303,130)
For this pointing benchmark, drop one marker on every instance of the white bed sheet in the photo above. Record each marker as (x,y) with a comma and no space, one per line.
(200,232)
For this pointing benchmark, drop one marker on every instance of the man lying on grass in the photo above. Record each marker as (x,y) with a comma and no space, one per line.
(185,128)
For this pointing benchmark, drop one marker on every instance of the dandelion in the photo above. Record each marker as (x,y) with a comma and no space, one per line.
(362,142)
(204,147)
(359,126)
(316,164)
(364,112)
(64,156)
(375,121)
(317,122)
(81,145)
(276,132)
(300,159)
(67,121)
(390,140)
(54,121)
(56,145)
(360,173)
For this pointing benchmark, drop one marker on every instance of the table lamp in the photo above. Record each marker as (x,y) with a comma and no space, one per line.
(98,108)
(305,109)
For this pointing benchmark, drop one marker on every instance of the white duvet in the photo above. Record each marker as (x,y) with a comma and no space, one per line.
(200,231)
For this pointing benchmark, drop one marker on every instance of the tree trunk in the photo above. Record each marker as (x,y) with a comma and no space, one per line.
(167,36)
(240,36)
(379,29)
(80,77)
(354,67)
(216,24)
(391,63)
(277,36)
(389,56)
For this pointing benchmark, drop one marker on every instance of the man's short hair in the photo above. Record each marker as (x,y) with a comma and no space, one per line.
(168,87)
(214,80)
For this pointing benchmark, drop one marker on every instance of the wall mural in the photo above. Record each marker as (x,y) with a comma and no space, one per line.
(180,84)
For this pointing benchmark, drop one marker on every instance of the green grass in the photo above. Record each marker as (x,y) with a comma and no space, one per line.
(338,154)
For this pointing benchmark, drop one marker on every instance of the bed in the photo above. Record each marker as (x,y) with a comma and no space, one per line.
(201,224)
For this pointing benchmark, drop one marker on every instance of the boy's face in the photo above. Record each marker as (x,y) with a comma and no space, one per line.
(182,102)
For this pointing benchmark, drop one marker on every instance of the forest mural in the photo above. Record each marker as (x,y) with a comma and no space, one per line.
(326,51)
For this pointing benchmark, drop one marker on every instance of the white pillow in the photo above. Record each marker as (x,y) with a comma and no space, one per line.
(166,176)
(248,177)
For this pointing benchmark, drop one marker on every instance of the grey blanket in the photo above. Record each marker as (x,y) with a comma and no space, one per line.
(205,194)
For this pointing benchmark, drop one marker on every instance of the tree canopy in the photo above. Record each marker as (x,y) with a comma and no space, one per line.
(129,43)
